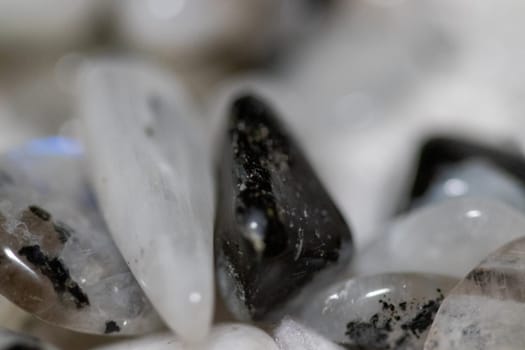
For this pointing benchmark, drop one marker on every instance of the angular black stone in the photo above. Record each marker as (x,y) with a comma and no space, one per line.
(276,226)
(441,152)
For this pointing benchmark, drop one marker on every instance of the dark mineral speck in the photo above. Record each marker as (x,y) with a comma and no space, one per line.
(277,227)
(111,327)
(41,213)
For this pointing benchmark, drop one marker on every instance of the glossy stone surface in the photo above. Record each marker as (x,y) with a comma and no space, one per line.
(17,341)
(389,311)
(57,259)
(222,337)
(475,178)
(292,335)
(486,310)
(453,168)
(277,228)
(448,238)
(151,167)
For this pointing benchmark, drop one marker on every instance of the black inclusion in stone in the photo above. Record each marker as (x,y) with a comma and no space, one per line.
(276,226)
(111,327)
(57,273)
(439,153)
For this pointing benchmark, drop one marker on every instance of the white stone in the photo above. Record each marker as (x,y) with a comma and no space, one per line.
(475,178)
(448,238)
(58,259)
(152,172)
(222,337)
(487,309)
(378,311)
(292,335)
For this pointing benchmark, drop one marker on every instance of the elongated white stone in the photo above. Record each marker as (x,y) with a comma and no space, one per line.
(292,335)
(449,238)
(152,172)
(222,337)
(387,311)
(57,259)
(487,309)
(17,341)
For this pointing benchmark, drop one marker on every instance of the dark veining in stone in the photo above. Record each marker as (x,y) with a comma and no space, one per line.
(276,225)
(41,213)
(63,231)
(57,273)
(111,327)
(377,332)
(439,153)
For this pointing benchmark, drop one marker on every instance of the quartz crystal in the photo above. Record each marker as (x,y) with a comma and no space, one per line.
(292,335)
(16,341)
(222,337)
(486,310)
(452,168)
(152,173)
(57,259)
(448,238)
(389,311)
(277,227)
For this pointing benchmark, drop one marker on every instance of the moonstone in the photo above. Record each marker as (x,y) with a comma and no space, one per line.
(452,168)
(292,335)
(277,228)
(152,173)
(17,341)
(448,238)
(57,259)
(389,311)
(222,337)
(486,310)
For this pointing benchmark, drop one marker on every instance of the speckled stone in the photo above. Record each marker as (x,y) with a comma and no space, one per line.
(57,260)
(277,227)
(388,311)
(463,168)
(486,310)
(17,341)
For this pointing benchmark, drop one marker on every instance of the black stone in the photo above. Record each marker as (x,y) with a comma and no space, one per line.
(276,225)
(441,152)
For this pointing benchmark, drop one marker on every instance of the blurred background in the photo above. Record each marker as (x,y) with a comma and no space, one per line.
(360,82)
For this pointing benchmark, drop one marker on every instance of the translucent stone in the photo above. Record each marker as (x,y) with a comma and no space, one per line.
(222,337)
(448,238)
(151,167)
(450,168)
(486,310)
(277,229)
(389,311)
(17,341)
(292,335)
(57,260)
(476,178)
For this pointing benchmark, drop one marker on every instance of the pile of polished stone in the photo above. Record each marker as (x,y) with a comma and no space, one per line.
(260,223)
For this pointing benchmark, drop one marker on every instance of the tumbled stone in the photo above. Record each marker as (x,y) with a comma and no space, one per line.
(388,311)
(448,238)
(151,167)
(277,228)
(486,310)
(222,337)
(57,260)
(16,341)
(450,167)
(292,335)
